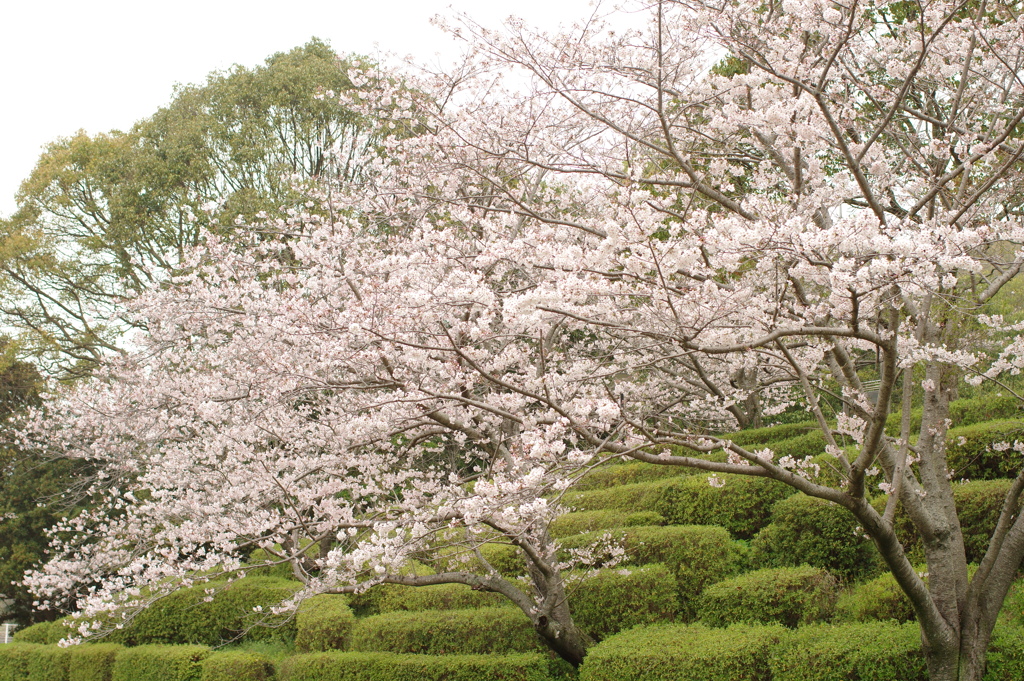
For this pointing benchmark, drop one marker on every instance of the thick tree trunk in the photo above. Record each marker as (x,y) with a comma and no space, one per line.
(564,638)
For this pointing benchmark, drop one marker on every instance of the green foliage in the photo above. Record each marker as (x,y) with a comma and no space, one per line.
(48,663)
(237,665)
(633,498)
(1005,660)
(964,412)
(772,434)
(878,599)
(742,505)
(695,555)
(14,660)
(451,632)
(394,667)
(618,474)
(877,651)
(323,623)
(588,521)
(970,454)
(607,601)
(44,632)
(398,597)
(788,596)
(160,663)
(92,661)
(675,652)
(810,531)
(186,616)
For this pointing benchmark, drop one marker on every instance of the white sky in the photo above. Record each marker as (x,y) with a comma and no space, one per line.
(100,65)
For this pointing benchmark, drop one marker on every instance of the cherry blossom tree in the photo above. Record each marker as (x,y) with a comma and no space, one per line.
(605,243)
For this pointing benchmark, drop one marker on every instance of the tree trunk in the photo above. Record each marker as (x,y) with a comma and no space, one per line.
(564,638)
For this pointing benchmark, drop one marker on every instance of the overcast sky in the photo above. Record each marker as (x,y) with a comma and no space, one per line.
(100,65)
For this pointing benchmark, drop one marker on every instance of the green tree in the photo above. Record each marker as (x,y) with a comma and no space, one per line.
(103,216)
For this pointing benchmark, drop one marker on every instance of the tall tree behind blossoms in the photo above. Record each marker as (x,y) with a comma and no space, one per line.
(646,238)
(102,217)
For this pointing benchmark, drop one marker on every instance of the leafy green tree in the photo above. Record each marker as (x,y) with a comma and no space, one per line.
(101,217)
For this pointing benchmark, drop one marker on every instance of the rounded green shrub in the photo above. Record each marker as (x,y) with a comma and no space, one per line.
(878,599)
(742,505)
(452,632)
(815,532)
(586,521)
(92,662)
(14,660)
(605,602)
(876,651)
(617,474)
(323,623)
(677,652)
(214,613)
(769,435)
(1005,659)
(45,632)
(787,596)
(970,453)
(696,555)
(632,498)
(436,597)
(48,663)
(237,665)
(338,666)
(160,663)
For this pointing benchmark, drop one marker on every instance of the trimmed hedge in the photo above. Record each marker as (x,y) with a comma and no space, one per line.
(187,617)
(677,652)
(877,651)
(878,599)
(641,496)
(160,663)
(969,452)
(965,412)
(742,505)
(604,519)
(44,632)
(397,597)
(608,601)
(697,555)
(393,667)
(452,632)
(323,623)
(787,596)
(14,660)
(617,474)
(92,662)
(237,665)
(772,434)
(48,663)
(810,531)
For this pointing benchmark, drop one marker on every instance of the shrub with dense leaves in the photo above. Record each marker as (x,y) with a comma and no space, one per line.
(697,555)
(975,453)
(14,660)
(237,665)
(237,611)
(815,532)
(48,663)
(323,623)
(44,632)
(397,597)
(608,601)
(452,632)
(92,662)
(965,412)
(395,667)
(878,599)
(769,435)
(632,498)
(676,652)
(618,474)
(876,651)
(742,505)
(1005,660)
(160,663)
(788,596)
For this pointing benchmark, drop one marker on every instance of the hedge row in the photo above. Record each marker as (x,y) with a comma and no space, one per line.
(676,652)
(810,531)
(604,519)
(879,651)
(323,623)
(608,601)
(742,505)
(451,632)
(965,412)
(188,617)
(338,666)
(787,596)
(695,555)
